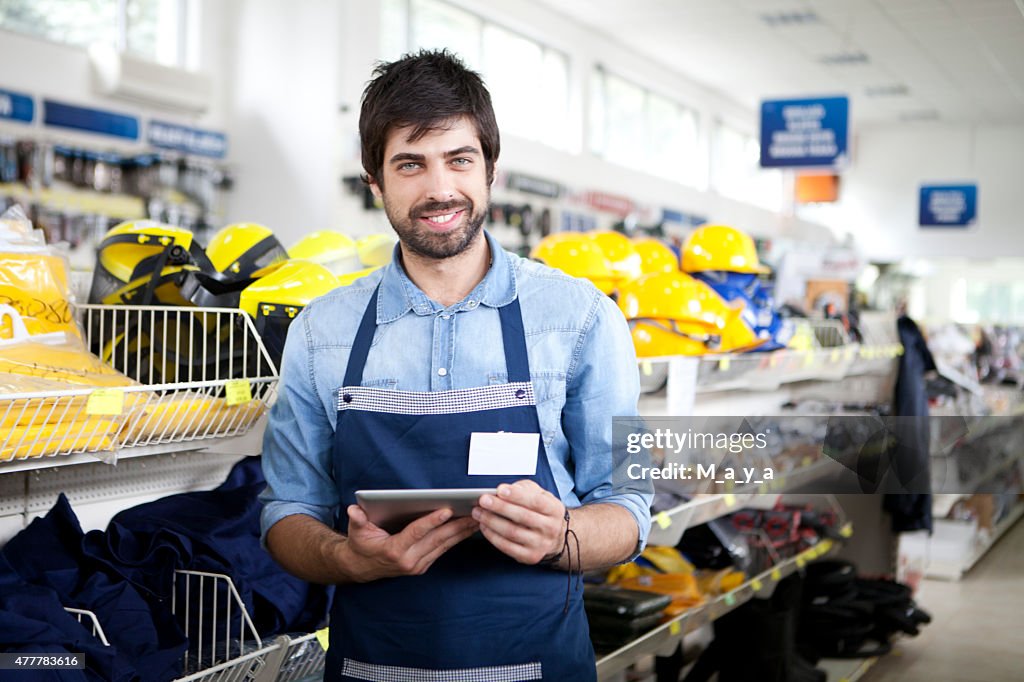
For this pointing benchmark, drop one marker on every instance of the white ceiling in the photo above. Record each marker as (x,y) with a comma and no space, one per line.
(959,61)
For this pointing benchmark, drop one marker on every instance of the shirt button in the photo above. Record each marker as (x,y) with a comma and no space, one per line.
(446,317)
(472,304)
(442,372)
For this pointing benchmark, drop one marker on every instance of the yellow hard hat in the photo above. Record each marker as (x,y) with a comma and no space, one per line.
(620,252)
(722,248)
(655,255)
(245,250)
(671,313)
(577,255)
(376,249)
(334,250)
(141,262)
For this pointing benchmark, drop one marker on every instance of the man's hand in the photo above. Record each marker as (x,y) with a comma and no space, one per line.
(523,520)
(372,553)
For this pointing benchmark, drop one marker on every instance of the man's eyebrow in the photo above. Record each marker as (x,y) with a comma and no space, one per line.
(406,156)
(468,149)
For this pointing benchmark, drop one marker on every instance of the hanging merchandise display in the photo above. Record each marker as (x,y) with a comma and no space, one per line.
(725,259)
(335,250)
(621,254)
(375,250)
(674,314)
(655,255)
(577,255)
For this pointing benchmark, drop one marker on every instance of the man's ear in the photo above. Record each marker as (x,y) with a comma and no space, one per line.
(374,187)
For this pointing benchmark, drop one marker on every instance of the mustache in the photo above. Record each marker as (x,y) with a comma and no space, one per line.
(432,206)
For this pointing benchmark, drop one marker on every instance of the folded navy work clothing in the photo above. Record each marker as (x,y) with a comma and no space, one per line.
(32,620)
(216,531)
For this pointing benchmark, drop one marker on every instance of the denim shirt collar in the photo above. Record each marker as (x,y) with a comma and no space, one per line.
(398,295)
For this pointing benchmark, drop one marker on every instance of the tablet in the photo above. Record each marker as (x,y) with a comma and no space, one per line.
(393,510)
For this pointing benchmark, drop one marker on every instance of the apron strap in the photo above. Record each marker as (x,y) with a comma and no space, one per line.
(513,337)
(362,343)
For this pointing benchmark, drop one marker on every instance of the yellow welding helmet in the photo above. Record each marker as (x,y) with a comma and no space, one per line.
(141,262)
(241,251)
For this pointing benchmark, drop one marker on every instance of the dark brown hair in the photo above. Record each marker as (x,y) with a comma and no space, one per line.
(424,92)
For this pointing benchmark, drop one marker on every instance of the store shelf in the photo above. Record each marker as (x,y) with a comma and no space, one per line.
(955,570)
(189,377)
(664,639)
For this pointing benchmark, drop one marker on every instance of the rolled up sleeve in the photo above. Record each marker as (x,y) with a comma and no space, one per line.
(297,442)
(604,383)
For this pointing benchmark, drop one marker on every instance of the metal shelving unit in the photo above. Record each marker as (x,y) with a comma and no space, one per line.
(663,639)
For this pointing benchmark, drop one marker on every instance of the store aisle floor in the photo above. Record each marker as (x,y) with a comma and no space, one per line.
(977,632)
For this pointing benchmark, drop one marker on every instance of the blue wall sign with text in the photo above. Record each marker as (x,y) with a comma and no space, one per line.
(947,205)
(90,120)
(189,140)
(16,107)
(804,132)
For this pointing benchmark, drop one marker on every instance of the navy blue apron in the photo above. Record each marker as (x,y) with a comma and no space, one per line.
(476,615)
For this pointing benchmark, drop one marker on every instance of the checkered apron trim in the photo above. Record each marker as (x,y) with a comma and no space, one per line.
(499,396)
(391,673)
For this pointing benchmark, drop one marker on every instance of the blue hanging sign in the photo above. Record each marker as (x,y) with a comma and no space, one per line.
(669,215)
(189,140)
(804,132)
(947,205)
(90,120)
(16,107)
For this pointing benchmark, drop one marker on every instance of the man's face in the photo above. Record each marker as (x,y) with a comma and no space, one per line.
(435,189)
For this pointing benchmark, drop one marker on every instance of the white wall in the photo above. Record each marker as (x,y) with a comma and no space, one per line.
(296,64)
(46,69)
(879,193)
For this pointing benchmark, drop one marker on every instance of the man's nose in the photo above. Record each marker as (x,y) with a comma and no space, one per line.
(440,185)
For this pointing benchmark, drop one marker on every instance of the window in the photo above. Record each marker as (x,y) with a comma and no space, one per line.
(736,171)
(528,81)
(150,29)
(637,128)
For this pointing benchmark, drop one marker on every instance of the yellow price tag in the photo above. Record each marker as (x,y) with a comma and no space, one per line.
(865,352)
(729,485)
(723,363)
(323,637)
(663,520)
(776,574)
(674,627)
(899,349)
(825,546)
(756,585)
(849,354)
(107,402)
(730,500)
(237,391)
(835,356)
(808,358)
(806,461)
(846,531)
(647,368)
(800,561)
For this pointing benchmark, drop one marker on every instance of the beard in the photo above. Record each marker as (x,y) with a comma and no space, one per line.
(437,246)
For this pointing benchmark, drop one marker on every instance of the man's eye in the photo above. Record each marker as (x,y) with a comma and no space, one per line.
(411,165)
(462,161)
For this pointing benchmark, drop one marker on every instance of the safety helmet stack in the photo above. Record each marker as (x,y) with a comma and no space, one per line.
(725,259)
(622,256)
(655,255)
(335,250)
(671,313)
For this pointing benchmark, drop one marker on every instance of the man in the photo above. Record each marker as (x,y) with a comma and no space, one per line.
(392,382)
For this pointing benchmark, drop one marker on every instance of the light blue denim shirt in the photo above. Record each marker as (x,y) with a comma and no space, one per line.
(582,365)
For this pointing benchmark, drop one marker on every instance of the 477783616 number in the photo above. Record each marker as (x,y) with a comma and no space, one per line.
(43,661)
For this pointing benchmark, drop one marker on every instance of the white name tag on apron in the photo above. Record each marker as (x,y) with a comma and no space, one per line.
(503,454)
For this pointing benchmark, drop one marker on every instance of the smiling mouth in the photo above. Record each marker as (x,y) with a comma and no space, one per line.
(442,221)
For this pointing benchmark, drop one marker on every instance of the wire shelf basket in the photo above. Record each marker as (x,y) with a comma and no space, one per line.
(224,645)
(302,659)
(185,374)
(88,617)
